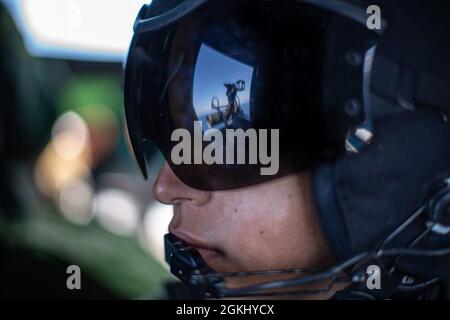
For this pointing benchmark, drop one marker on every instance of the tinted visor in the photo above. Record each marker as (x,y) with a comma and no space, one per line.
(231,93)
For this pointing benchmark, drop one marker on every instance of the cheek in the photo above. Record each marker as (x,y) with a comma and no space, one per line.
(269,230)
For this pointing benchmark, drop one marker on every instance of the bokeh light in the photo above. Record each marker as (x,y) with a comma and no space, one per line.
(71,193)
(155,226)
(75,201)
(76,29)
(66,158)
(117,211)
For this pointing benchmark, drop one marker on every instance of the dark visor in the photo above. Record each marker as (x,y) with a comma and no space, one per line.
(243,80)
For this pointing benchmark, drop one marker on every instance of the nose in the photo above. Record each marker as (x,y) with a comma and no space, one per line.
(169,189)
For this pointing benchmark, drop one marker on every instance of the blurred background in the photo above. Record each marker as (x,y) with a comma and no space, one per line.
(70,193)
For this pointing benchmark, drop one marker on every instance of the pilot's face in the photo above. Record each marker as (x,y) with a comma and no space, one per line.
(268,226)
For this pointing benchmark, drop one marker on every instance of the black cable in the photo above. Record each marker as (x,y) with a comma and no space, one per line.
(266,272)
(301,281)
(402,227)
(331,273)
(341,279)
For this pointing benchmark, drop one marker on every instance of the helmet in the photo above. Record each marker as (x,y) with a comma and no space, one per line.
(363,107)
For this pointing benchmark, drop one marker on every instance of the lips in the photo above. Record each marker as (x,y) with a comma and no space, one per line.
(207,252)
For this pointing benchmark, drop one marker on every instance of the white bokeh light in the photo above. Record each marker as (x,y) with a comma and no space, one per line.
(155,226)
(117,211)
(75,202)
(70,135)
(76,29)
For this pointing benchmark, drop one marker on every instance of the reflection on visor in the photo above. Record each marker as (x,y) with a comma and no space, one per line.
(221,91)
(231,67)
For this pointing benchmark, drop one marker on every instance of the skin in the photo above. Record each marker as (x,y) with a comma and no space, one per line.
(268,226)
